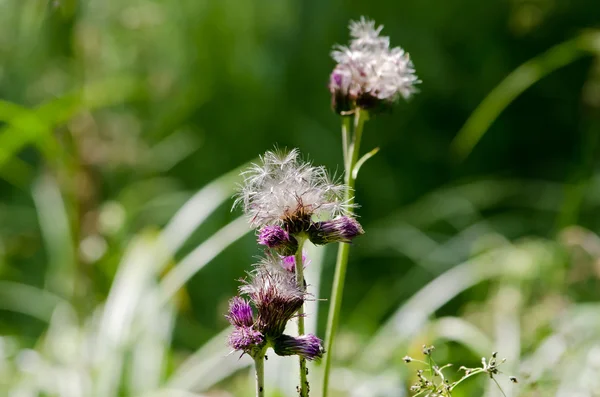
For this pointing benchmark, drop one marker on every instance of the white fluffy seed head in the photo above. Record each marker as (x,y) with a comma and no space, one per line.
(282,187)
(369,67)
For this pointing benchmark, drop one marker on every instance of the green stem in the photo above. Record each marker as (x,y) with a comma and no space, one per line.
(345,138)
(259,365)
(344,249)
(300,282)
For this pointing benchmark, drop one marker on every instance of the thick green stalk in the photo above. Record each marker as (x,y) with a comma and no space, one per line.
(342,258)
(300,281)
(259,365)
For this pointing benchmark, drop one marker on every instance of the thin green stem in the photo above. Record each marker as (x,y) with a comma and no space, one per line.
(476,371)
(337,292)
(300,281)
(259,365)
(346,126)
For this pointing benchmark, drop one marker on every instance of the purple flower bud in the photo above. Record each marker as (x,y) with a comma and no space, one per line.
(245,339)
(240,312)
(339,230)
(289,262)
(308,346)
(275,295)
(277,238)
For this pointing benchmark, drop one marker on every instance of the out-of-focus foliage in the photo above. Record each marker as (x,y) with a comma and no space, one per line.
(123,124)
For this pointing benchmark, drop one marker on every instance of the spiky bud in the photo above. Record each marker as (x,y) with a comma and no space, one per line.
(276,238)
(308,346)
(339,230)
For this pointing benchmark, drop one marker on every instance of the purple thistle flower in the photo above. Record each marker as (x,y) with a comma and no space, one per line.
(240,312)
(275,295)
(339,230)
(277,238)
(308,346)
(245,339)
(289,262)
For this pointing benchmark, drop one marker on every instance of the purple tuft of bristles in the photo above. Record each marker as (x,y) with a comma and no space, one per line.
(245,338)
(240,312)
(275,295)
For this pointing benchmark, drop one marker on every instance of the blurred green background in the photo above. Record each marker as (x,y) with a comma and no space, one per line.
(479,236)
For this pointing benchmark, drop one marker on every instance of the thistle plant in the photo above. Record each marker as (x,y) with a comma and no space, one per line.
(288,201)
(276,297)
(433,382)
(369,77)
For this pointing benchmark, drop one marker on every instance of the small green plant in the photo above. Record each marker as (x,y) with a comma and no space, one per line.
(432,382)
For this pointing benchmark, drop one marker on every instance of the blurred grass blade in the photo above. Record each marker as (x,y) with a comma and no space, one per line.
(458,330)
(513,85)
(507,306)
(413,315)
(202,255)
(28,300)
(132,285)
(198,208)
(209,365)
(150,349)
(173,393)
(61,273)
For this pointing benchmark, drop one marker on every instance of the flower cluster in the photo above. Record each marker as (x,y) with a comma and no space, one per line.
(369,74)
(276,297)
(287,198)
(432,381)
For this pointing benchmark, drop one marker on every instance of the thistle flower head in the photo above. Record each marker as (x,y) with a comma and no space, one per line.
(276,238)
(275,294)
(339,230)
(246,339)
(283,190)
(240,312)
(369,74)
(308,346)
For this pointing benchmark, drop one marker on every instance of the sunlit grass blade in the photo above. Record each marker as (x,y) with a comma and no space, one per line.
(131,286)
(414,314)
(507,310)
(61,275)
(173,393)
(514,84)
(202,255)
(198,208)
(458,330)
(212,363)
(29,300)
